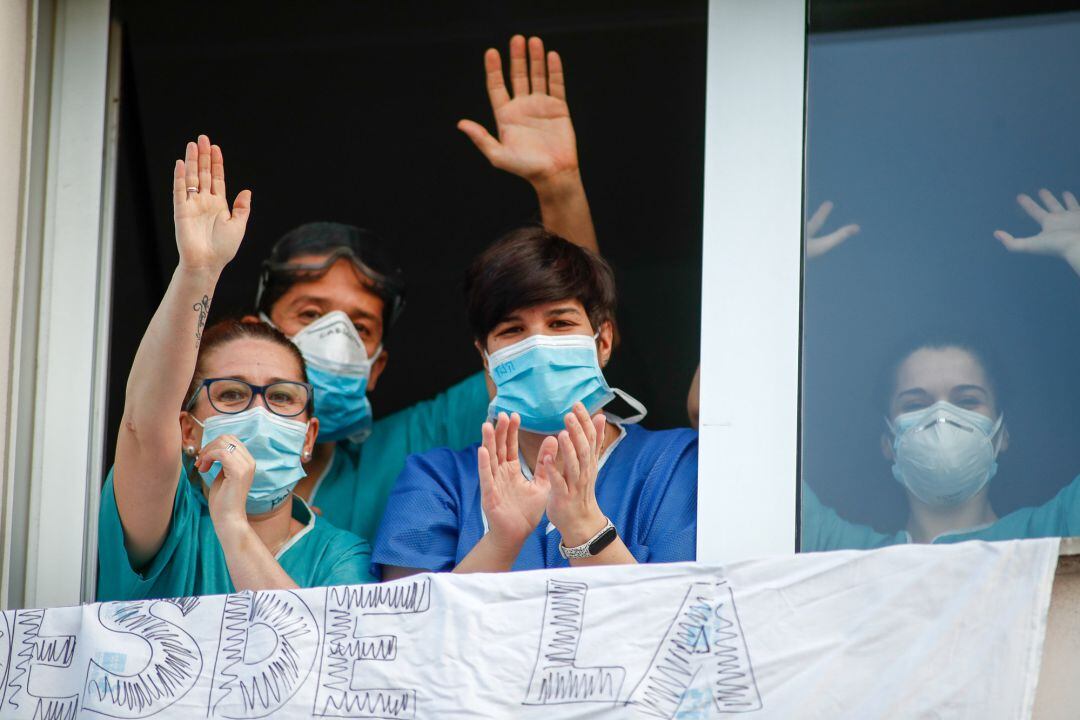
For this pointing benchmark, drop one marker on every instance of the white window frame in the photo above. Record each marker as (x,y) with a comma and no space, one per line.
(60,349)
(751,279)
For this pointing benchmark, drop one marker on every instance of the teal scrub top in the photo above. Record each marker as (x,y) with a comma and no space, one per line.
(824,529)
(191,561)
(353,490)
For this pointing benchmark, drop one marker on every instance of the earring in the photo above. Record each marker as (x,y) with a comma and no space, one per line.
(306,456)
(190,451)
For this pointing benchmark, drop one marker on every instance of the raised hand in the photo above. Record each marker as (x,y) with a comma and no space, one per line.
(572,505)
(536,138)
(207,233)
(229,491)
(818,246)
(513,505)
(1060,224)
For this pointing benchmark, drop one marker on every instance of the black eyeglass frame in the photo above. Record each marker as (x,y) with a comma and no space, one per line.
(255,391)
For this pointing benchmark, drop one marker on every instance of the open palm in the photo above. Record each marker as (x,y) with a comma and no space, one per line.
(512,505)
(536,137)
(207,233)
(1060,228)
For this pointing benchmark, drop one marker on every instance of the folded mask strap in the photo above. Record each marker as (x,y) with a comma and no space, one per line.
(632,402)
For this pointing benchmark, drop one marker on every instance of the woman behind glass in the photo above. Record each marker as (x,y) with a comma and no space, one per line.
(204,505)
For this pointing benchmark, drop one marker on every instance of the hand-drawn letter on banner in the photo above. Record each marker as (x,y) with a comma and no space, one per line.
(267,648)
(348,648)
(701,661)
(39,676)
(171,668)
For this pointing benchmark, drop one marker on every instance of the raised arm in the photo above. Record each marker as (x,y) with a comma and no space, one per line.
(148,446)
(536,137)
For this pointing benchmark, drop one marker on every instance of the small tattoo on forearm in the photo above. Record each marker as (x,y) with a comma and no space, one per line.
(203,308)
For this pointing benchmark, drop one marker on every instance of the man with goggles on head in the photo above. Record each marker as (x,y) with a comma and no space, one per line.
(333,290)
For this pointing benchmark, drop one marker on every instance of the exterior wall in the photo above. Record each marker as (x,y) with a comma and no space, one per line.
(1059,694)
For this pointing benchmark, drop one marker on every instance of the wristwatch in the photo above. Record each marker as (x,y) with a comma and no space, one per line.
(592,547)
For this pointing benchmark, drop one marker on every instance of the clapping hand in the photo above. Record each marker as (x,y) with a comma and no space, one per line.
(208,234)
(513,505)
(1060,224)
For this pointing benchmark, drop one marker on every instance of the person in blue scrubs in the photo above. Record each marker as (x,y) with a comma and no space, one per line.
(216,423)
(554,480)
(334,290)
(946,429)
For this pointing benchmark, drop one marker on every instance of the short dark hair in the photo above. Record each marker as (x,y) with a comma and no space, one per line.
(364,247)
(225,331)
(530,266)
(941,339)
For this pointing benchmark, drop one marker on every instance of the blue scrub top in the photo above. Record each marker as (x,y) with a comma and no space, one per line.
(824,529)
(647,487)
(191,561)
(353,491)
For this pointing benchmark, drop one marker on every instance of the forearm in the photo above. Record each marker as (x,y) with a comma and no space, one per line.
(166,356)
(251,565)
(490,555)
(564,209)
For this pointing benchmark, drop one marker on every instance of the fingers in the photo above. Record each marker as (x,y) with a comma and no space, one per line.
(481,138)
(545,458)
(1050,201)
(1032,208)
(512,437)
(488,489)
(241,208)
(487,440)
(584,449)
(817,246)
(556,80)
(179,185)
(570,469)
(1070,201)
(600,425)
(217,171)
(501,425)
(519,80)
(191,166)
(817,220)
(1013,244)
(537,67)
(204,164)
(495,86)
(235,463)
(587,426)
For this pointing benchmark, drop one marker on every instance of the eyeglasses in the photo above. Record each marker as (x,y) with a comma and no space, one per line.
(230,396)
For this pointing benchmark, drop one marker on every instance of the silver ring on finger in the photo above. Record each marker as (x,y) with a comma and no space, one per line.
(192,189)
(230,448)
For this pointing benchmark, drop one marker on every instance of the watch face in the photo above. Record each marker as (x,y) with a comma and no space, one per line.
(608,537)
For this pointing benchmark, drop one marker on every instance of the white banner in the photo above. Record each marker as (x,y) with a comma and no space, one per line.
(904,632)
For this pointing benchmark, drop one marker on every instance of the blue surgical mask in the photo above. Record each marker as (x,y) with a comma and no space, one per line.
(944,454)
(541,377)
(273,441)
(338,368)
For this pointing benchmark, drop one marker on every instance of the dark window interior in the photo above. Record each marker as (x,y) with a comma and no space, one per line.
(346,111)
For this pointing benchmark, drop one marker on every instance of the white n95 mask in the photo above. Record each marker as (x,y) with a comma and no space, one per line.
(944,454)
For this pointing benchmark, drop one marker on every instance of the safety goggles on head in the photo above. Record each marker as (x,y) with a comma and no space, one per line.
(230,396)
(332,242)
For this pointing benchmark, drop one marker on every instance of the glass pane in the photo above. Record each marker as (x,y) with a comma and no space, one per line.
(941,310)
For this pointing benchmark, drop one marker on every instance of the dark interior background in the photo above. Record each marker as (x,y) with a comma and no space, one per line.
(924,136)
(346,111)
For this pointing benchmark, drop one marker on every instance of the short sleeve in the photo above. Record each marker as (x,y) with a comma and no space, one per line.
(117,579)
(352,566)
(672,535)
(823,529)
(421,524)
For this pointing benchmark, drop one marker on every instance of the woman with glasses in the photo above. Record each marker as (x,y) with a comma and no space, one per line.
(203,504)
